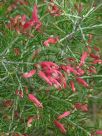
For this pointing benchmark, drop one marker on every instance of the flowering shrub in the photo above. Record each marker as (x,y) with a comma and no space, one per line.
(49,60)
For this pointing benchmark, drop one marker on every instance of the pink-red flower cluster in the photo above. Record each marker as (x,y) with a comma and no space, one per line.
(16,3)
(21,25)
(51,73)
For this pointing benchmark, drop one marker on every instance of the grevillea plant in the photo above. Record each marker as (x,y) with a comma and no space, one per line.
(50,67)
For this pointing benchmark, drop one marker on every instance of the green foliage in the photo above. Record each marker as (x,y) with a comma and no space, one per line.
(72,28)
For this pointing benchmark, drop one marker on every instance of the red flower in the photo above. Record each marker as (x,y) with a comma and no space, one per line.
(20,24)
(29,74)
(49,64)
(16,19)
(96,48)
(36,102)
(51,40)
(65,114)
(60,126)
(98,61)
(55,83)
(99,132)
(19,93)
(63,81)
(43,75)
(92,55)
(28,25)
(14,23)
(15,4)
(35,18)
(31,119)
(82,107)
(91,70)
(69,69)
(29,122)
(83,58)
(82,82)
(23,19)
(8,103)
(35,14)
(72,86)
(54,10)
(52,75)
(80,71)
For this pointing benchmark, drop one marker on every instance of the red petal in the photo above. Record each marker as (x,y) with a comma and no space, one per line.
(55,82)
(29,74)
(30,120)
(38,26)
(28,25)
(99,132)
(60,126)
(54,10)
(33,99)
(72,86)
(49,64)
(78,106)
(42,75)
(82,82)
(23,19)
(82,107)
(51,40)
(96,48)
(65,114)
(80,71)
(19,93)
(83,58)
(92,69)
(94,56)
(35,14)
(99,61)
(69,69)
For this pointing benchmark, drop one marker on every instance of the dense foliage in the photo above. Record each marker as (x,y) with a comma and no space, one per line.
(50,68)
